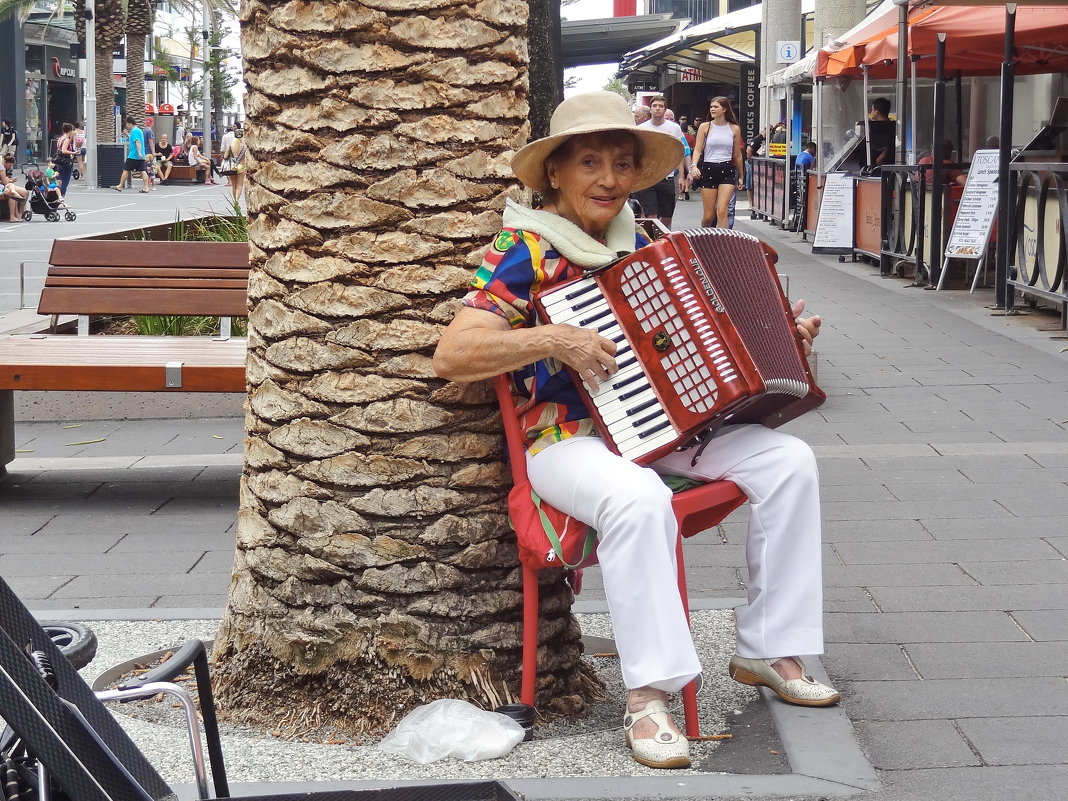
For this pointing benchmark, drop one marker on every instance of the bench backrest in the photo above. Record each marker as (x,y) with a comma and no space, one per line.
(89,276)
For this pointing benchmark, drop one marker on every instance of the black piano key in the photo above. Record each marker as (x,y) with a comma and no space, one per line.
(627,362)
(594,318)
(648,418)
(628,380)
(588,302)
(654,429)
(641,407)
(580,292)
(627,395)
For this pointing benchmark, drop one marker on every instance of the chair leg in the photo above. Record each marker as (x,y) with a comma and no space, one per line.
(689,692)
(530,635)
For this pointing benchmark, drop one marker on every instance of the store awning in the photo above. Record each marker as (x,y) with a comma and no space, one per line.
(974,43)
(604,41)
(727,38)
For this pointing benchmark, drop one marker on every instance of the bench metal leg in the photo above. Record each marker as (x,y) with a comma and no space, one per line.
(7,428)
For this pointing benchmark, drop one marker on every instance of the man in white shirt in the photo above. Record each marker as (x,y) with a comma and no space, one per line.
(659,199)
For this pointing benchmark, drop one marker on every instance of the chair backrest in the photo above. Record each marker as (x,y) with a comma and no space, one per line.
(67,728)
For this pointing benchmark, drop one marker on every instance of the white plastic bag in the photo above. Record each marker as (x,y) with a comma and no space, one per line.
(452,728)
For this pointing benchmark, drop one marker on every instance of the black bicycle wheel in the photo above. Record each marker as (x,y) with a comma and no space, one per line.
(74,641)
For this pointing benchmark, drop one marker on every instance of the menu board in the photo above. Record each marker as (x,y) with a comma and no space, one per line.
(978,207)
(834,228)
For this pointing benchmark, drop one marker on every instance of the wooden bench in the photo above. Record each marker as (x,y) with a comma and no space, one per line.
(184,174)
(94,277)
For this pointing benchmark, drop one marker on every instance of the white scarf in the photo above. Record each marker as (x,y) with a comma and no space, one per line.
(572,242)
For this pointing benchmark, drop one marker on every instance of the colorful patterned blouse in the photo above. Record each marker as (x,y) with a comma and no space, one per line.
(517,266)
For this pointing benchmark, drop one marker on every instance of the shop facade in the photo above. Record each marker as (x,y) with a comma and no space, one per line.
(53,96)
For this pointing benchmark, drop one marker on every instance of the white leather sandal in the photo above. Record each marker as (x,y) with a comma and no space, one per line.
(668,749)
(805,691)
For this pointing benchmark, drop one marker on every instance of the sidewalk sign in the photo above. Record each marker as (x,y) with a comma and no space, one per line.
(834,228)
(978,207)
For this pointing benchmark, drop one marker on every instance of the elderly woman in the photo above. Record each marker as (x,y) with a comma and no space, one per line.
(593,158)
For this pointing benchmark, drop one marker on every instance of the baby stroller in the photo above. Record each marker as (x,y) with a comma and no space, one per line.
(45,201)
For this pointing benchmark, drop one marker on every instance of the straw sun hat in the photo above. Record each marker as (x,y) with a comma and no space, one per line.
(593,112)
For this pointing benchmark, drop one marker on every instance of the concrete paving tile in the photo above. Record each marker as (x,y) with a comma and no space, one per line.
(1036,490)
(941,461)
(1056,503)
(847,599)
(952,699)
(32,588)
(221,561)
(1003,597)
(835,531)
(46,544)
(1045,572)
(1043,625)
(1018,741)
(905,627)
(897,433)
(867,662)
(913,510)
(78,506)
(19,525)
(894,576)
(897,745)
(100,565)
(1002,528)
(191,538)
(947,377)
(857,492)
(974,784)
(98,522)
(932,552)
(92,591)
(1051,459)
(196,505)
(1060,543)
(1023,475)
(982,660)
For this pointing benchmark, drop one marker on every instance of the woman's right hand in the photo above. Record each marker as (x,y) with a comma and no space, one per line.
(586,352)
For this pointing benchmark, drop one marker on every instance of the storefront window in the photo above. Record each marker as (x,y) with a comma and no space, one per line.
(34,117)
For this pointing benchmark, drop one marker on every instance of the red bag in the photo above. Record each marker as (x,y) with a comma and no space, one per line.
(548,537)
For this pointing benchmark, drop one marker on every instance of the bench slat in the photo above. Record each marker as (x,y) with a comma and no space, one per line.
(121,363)
(59,274)
(200,302)
(145,282)
(110,253)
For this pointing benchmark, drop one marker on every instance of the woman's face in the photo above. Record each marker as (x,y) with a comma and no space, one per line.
(716,110)
(593,176)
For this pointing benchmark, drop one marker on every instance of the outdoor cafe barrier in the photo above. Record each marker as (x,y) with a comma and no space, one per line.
(769,189)
(1037,239)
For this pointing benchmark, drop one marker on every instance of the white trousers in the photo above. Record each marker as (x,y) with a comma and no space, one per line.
(630,507)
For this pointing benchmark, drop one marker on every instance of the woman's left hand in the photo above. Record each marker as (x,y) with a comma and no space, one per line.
(808,328)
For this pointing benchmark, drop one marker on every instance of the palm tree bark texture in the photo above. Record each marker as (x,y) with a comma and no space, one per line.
(375,570)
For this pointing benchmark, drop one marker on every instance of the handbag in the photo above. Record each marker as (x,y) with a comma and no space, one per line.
(548,537)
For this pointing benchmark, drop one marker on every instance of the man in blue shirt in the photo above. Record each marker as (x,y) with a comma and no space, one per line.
(806,158)
(135,155)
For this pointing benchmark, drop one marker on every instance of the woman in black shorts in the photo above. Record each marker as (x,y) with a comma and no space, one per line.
(720,167)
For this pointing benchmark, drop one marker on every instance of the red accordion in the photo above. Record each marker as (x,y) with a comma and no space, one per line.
(704,337)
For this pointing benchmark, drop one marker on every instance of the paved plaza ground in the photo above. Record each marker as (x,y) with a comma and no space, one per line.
(943,453)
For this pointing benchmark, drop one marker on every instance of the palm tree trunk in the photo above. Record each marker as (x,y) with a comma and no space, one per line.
(375,570)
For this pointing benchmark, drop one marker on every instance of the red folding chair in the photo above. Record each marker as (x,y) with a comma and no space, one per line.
(697,509)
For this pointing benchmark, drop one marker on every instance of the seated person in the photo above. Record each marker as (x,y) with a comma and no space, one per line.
(197,159)
(165,158)
(51,174)
(585,170)
(9,188)
(949,176)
